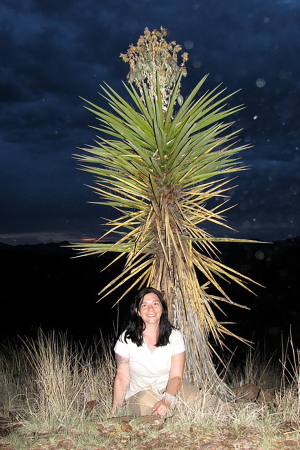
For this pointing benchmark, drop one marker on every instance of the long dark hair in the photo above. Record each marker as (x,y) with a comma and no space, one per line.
(136,325)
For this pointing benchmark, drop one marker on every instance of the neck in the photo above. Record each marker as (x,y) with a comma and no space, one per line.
(151,331)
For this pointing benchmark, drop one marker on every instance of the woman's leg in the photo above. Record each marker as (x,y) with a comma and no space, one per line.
(141,404)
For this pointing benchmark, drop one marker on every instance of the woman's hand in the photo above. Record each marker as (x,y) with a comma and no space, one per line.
(162,407)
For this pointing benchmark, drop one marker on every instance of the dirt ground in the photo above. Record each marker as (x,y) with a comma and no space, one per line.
(156,435)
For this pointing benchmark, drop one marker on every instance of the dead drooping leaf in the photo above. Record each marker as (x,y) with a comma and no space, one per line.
(125,426)
(288,426)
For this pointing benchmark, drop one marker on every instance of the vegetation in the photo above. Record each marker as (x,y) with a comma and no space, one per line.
(58,395)
(162,161)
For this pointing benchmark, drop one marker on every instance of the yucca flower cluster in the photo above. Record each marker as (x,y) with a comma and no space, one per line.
(154,57)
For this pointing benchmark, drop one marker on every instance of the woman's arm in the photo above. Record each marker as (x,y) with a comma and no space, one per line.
(176,373)
(121,382)
(175,379)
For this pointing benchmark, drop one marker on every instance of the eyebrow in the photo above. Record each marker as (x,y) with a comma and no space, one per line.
(149,301)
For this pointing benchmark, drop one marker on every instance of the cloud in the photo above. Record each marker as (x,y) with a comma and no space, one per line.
(53,52)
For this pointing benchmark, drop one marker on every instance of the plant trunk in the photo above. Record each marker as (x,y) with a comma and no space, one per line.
(199,369)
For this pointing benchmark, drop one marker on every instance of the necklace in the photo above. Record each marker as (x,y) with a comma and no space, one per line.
(150,345)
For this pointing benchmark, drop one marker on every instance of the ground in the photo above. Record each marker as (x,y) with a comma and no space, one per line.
(155,434)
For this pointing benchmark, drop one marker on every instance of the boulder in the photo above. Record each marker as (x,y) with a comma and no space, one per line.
(266,395)
(247,393)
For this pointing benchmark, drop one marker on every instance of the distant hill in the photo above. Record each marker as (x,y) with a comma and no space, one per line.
(43,285)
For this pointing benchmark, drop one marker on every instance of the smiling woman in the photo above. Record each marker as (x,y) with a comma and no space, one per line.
(150,357)
(150,311)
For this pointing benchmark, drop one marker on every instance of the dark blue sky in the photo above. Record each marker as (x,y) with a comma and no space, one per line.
(54,51)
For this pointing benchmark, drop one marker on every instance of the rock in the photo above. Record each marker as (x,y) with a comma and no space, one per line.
(248,392)
(266,395)
(251,393)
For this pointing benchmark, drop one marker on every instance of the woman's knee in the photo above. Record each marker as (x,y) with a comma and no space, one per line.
(141,404)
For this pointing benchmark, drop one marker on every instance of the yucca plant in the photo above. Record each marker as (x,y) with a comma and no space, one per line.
(160,163)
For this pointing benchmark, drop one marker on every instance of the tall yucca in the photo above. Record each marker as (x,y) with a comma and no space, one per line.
(163,159)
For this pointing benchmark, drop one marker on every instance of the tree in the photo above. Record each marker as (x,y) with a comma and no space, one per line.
(159,164)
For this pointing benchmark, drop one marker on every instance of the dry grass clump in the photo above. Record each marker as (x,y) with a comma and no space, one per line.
(50,382)
(58,390)
(16,378)
(258,367)
(264,425)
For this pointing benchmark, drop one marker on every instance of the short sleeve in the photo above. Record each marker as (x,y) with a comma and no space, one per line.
(121,347)
(177,342)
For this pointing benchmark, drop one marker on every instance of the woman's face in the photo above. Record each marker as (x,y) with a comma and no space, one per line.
(150,309)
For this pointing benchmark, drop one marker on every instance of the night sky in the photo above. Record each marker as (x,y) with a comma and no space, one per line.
(54,51)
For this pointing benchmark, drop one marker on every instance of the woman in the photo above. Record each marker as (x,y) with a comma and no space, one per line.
(150,357)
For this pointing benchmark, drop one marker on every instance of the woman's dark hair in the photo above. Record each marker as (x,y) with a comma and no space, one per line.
(136,325)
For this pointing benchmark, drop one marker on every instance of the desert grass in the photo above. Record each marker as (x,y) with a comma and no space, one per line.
(59,392)
(259,366)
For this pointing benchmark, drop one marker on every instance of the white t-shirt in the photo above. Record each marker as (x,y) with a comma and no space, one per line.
(149,369)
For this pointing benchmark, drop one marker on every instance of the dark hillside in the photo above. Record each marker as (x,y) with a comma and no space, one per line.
(275,309)
(43,286)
